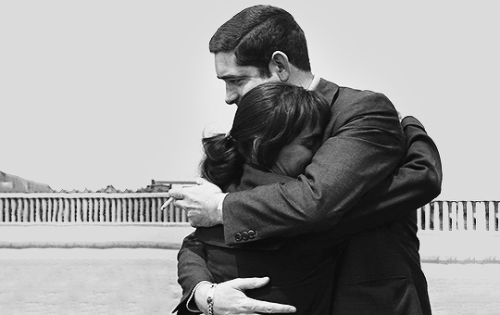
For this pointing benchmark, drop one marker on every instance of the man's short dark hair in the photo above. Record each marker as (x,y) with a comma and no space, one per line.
(256,33)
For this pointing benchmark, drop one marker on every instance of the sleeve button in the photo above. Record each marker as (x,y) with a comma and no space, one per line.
(237,237)
(244,235)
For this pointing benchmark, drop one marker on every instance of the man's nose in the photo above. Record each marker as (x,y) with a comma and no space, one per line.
(231,97)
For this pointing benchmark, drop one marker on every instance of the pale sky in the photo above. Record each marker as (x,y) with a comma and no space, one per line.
(94,93)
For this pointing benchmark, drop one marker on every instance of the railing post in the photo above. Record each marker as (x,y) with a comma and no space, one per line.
(146,208)
(136,210)
(130,210)
(140,204)
(56,210)
(18,217)
(470,215)
(76,204)
(491,215)
(427,218)
(480,216)
(95,209)
(91,209)
(60,210)
(101,209)
(85,210)
(107,217)
(494,217)
(435,217)
(446,216)
(20,210)
(118,209)
(23,204)
(30,205)
(8,210)
(43,210)
(67,211)
(13,210)
(52,209)
(1,210)
(153,210)
(453,216)
(38,210)
(72,216)
(461,215)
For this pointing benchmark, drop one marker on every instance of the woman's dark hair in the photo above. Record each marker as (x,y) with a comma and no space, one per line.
(268,117)
(256,32)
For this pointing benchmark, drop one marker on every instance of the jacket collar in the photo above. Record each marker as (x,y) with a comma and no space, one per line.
(328,89)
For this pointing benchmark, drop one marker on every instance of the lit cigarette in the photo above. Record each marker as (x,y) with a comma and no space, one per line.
(166,203)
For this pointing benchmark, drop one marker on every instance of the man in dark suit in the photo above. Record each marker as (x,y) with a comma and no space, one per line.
(359,185)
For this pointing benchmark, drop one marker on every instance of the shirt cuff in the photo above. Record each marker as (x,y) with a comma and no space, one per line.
(221,201)
(191,303)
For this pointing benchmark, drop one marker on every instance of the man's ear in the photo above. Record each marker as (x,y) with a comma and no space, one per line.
(280,66)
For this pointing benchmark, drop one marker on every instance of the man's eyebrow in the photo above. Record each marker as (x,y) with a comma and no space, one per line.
(230,76)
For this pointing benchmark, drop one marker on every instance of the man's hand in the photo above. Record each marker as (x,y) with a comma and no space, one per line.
(200,202)
(229,298)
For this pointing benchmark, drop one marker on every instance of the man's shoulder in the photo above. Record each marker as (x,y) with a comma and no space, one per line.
(350,101)
(348,95)
(351,95)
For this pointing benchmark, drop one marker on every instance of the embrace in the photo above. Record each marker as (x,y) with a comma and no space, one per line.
(308,204)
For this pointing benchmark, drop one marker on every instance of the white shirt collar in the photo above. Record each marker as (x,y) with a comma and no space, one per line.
(314,83)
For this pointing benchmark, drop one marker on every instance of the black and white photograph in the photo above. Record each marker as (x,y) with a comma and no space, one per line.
(242,157)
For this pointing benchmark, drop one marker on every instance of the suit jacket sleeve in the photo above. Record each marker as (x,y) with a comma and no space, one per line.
(365,145)
(413,185)
(191,269)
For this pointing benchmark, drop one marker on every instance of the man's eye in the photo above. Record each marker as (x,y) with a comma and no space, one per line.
(235,81)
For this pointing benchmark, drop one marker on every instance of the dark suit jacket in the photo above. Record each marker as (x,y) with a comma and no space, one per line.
(378,272)
(364,143)
(416,183)
(301,268)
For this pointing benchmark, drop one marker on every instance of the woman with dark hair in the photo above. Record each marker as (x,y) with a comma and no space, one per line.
(270,118)
(276,131)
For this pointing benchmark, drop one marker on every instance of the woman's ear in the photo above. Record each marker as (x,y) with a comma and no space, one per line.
(280,66)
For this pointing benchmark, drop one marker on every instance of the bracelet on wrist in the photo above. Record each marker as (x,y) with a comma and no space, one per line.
(210,298)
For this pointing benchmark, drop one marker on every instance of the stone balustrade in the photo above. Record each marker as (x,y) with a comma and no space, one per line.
(445,216)
(83,208)
(137,208)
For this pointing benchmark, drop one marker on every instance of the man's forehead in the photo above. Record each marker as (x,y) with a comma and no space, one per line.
(226,67)
(227,58)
